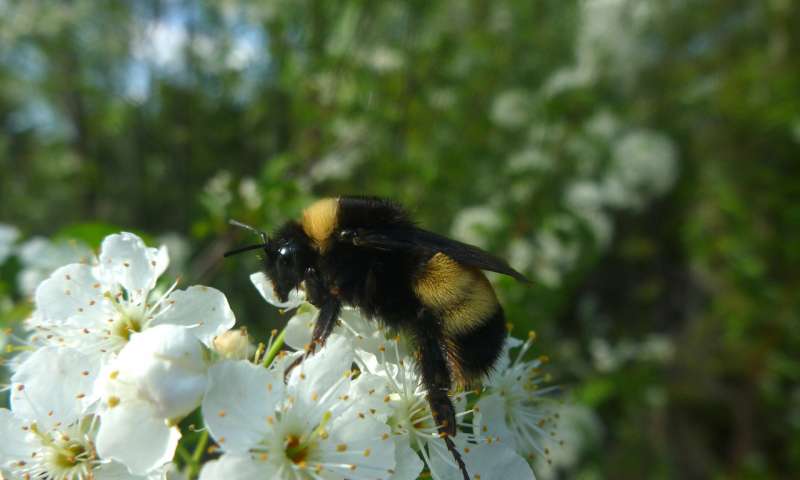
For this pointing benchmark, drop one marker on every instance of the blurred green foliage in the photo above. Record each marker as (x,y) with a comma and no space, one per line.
(639,159)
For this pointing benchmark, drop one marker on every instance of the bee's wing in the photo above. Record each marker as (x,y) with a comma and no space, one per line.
(419,239)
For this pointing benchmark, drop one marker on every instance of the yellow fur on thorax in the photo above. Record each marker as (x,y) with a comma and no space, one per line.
(461,296)
(319,221)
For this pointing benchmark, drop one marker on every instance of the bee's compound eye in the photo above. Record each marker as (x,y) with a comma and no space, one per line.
(347,235)
(283,251)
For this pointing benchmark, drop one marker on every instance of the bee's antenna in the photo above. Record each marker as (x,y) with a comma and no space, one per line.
(260,233)
(244,249)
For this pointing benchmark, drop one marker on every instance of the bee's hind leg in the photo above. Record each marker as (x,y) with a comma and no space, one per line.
(436,378)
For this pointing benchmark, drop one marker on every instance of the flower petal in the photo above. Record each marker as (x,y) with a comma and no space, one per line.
(239,399)
(300,326)
(205,310)
(13,447)
(408,465)
(485,461)
(490,417)
(126,260)
(71,290)
(264,286)
(168,367)
(368,445)
(131,435)
(318,377)
(236,467)
(117,471)
(53,385)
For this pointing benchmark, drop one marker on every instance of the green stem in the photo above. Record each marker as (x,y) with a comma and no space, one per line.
(185,455)
(275,348)
(193,460)
(201,447)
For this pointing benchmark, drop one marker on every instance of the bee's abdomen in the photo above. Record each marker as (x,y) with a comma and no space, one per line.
(473,324)
(473,354)
(461,296)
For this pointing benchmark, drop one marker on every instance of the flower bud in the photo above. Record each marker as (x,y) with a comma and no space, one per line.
(233,344)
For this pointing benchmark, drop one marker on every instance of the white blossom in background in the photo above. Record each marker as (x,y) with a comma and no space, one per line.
(475,225)
(644,166)
(586,200)
(217,194)
(40,257)
(521,254)
(156,380)
(96,308)
(179,252)
(383,59)
(48,433)
(512,108)
(529,160)
(248,192)
(8,235)
(313,427)
(609,43)
(576,428)
(556,253)
(608,358)
(603,125)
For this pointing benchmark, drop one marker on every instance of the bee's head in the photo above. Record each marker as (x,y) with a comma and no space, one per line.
(287,256)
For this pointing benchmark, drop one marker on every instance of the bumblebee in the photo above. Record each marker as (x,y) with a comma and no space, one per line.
(366,252)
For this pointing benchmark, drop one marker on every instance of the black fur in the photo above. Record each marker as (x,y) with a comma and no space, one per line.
(478,350)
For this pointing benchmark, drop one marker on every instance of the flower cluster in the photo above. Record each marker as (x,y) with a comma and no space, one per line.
(114,361)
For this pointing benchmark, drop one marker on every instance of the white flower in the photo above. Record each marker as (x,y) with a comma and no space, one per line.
(47,434)
(314,427)
(96,308)
(8,235)
(513,406)
(157,379)
(40,257)
(63,453)
(412,423)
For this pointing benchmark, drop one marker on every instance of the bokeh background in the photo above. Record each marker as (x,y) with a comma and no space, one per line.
(637,159)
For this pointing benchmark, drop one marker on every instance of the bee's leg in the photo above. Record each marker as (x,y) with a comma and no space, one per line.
(329,308)
(436,378)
